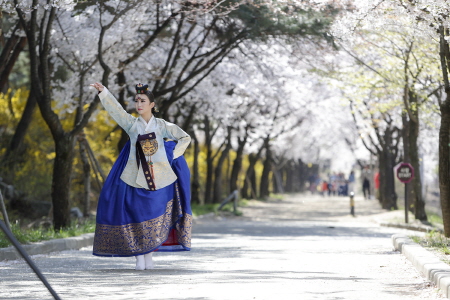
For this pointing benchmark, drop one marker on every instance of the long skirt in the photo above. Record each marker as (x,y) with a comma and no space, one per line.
(133,221)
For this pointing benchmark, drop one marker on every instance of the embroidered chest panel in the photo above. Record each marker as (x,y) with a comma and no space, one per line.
(146,146)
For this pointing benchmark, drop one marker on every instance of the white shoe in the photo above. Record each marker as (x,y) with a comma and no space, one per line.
(140,263)
(149,261)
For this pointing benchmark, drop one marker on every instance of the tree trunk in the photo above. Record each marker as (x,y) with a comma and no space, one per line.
(444,135)
(40,73)
(275,186)
(86,175)
(209,162)
(250,175)
(388,197)
(121,99)
(267,168)
(382,171)
(218,195)
(419,204)
(25,120)
(293,176)
(195,184)
(39,48)
(249,189)
(15,149)
(391,200)
(277,180)
(411,128)
(444,163)
(406,156)
(4,212)
(62,171)
(302,176)
(253,182)
(9,56)
(237,164)
(289,172)
(245,192)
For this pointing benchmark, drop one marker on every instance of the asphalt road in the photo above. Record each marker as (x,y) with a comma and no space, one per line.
(302,247)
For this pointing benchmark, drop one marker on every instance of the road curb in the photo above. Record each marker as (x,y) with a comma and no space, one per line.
(71,243)
(421,228)
(426,262)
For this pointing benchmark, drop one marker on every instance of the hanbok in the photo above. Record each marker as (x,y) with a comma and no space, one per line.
(134,221)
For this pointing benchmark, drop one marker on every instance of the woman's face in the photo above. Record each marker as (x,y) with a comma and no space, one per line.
(143,105)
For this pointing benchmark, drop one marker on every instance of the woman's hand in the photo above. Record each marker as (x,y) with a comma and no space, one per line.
(98,86)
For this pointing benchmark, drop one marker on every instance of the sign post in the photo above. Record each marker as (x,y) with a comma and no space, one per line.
(405,173)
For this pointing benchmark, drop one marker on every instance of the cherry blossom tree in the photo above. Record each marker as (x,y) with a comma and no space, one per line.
(278,104)
(433,17)
(38,25)
(430,19)
(174,45)
(55,32)
(13,44)
(399,53)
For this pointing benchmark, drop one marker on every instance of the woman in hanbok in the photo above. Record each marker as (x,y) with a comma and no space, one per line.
(144,205)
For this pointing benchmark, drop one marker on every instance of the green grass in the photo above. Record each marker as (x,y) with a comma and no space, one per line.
(30,235)
(229,208)
(198,210)
(415,239)
(434,240)
(434,219)
(277,196)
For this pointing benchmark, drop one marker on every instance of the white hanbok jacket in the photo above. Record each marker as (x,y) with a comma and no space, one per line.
(133,173)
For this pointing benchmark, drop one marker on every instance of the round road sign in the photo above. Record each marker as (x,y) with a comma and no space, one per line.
(405,172)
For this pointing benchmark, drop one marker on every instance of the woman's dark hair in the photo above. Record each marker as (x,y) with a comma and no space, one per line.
(143,89)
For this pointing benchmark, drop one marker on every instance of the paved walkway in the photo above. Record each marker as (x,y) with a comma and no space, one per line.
(302,247)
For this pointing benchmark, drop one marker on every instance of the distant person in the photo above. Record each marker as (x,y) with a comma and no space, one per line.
(351,182)
(312,184)
(376,180)
(365,175)
(319,189)
(343,189)
(332,188)
(324,188)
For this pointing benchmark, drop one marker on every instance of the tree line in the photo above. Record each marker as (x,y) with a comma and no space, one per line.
(398,88)
(225,71)
(186,51)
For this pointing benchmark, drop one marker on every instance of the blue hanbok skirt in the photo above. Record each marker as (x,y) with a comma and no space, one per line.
(134,221)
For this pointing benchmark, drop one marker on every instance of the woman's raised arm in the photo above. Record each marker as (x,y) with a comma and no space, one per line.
(114,108)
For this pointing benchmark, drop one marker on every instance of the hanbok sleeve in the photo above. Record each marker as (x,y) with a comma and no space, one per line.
(174,132)
(115,110)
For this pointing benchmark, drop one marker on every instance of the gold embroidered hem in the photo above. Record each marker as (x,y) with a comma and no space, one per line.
(140,238)
(184,230)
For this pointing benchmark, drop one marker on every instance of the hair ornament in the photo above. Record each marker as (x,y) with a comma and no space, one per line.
(141,88)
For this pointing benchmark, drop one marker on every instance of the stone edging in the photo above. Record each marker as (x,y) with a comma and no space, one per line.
(426,262)
(422,228)
(71,243)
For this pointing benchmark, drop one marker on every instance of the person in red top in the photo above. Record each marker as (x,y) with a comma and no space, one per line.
(324,188)
(376,179)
